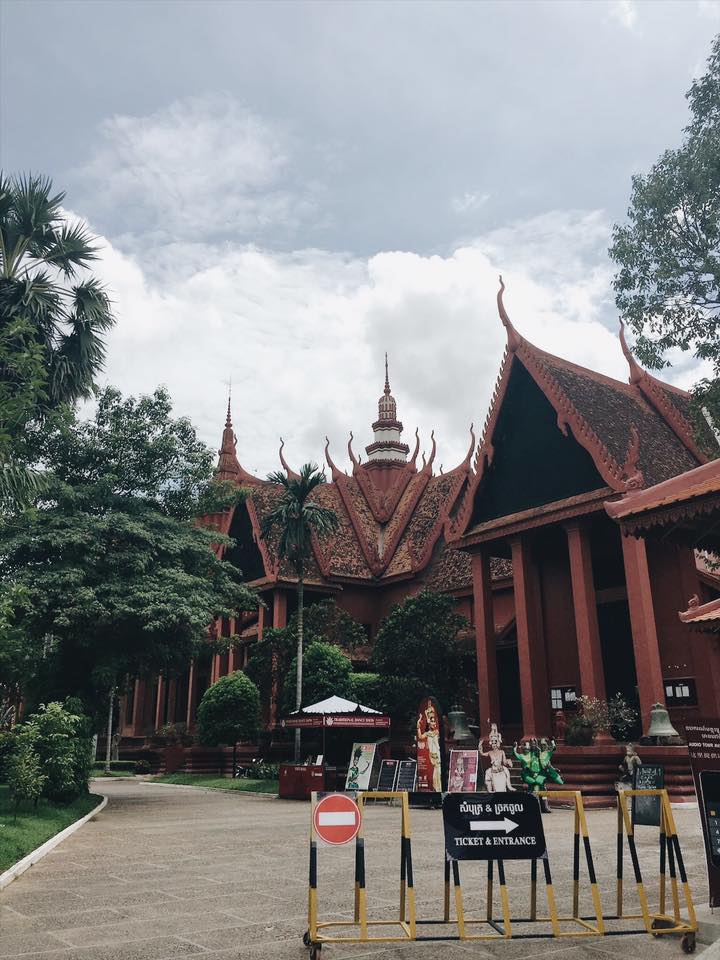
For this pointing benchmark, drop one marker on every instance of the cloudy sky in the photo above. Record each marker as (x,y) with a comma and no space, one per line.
(286,190)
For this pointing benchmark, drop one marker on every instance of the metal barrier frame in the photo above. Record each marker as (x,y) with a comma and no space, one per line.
(661,923)
(406,919)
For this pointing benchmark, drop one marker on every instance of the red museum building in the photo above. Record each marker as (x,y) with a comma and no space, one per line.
(562,600)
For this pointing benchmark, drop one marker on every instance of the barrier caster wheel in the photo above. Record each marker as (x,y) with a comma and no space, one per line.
(306,938)
(688,943)
(316,952)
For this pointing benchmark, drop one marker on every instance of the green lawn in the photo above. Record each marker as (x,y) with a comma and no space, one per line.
(113,773)
(220,783)
(34,827)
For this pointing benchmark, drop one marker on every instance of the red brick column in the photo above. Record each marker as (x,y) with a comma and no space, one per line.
(488,699)
(279,621)
(261,621)
(592,675)
(137,720)
(531,644)
(172,699)
(192,695)
(644,632)
(159,702)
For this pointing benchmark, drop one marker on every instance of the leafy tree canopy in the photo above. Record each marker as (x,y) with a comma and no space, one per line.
(116,578)
(229,711)
(668,253)
(326,673)
(419,640)
(54,317)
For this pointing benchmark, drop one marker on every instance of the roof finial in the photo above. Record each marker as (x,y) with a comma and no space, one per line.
(228,418)
(636,371)
(514,338)
(387,378)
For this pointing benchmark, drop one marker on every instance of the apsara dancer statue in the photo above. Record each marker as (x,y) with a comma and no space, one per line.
(497,775)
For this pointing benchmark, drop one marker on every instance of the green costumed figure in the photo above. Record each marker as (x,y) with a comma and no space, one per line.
(547,749)
(530,768)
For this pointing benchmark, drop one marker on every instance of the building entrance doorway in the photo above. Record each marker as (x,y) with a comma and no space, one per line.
(508,676)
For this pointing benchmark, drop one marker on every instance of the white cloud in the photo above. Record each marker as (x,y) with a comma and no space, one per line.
(203,166)
(303,334)
(625,12)
(469,202)
(709,9)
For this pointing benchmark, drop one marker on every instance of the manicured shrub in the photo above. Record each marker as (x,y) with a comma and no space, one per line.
(142,766)
(59,738)
(229,711)
(579,732)
(24,774)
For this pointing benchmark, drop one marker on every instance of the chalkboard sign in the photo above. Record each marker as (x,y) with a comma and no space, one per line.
(387,775)
(646,810)
(407,772)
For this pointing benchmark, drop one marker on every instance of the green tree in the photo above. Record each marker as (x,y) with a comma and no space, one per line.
(419,641)
(229,711)
(326,672)
(53,318)
(118,579)
(61,739)
(273,657)
(298,517)
(668,253)
(25,778)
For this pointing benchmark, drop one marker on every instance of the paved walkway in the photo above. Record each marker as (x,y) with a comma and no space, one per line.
(165,873)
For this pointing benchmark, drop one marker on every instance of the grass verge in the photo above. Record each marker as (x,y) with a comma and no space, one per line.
(220,783)
(33,827)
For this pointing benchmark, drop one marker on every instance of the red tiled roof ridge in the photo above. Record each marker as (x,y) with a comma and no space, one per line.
(693,483)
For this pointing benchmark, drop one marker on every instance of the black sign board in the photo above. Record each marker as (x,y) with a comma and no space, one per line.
(703,739)
(407,772)
(386,777)
(493,826)
(646,810)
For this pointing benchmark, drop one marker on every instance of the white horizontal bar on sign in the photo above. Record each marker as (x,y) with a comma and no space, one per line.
(337,819)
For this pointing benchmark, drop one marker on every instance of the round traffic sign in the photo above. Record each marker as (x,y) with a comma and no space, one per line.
(336,819)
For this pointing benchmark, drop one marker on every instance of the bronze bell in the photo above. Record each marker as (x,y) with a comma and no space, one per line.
(457,721)
(660,725)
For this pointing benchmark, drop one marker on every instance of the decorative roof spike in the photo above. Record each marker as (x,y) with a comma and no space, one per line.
(413,459)
(331,463)
(636,371)
(352,456)
(283,461)
(468,459)
(387,378)
(514,339)
(423,459)
(632,474)
(433,451)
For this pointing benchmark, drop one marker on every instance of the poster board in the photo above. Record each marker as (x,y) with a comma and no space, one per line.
(407,775)
(387,775)
(703,737)
(430,746)
(646,810)
(360,770)
(463,771)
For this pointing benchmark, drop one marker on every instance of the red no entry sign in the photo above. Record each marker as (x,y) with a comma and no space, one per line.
(337,819)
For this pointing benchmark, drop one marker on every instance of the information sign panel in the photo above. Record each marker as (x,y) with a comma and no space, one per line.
(387,775)
(360,769)
(407,774)
(646,810)
(703,737)
(463,771)
(493,826)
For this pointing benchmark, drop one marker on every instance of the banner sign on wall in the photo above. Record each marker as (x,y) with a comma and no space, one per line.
(703,737)
(463,771)
(429,746)
(360,770)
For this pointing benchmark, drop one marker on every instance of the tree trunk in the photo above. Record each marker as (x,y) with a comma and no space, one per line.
(234,768)
(299,676)
(108,751)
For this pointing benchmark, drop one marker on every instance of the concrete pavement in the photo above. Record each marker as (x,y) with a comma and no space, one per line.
(167,873)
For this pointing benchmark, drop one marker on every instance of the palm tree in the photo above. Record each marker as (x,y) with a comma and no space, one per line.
(53,316)
(297,518)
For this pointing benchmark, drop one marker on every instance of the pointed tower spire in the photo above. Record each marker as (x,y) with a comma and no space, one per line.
(228,467)
(387,444)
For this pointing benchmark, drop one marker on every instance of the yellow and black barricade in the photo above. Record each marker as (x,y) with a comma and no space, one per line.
(671,863)
(360,929)
(503,925)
